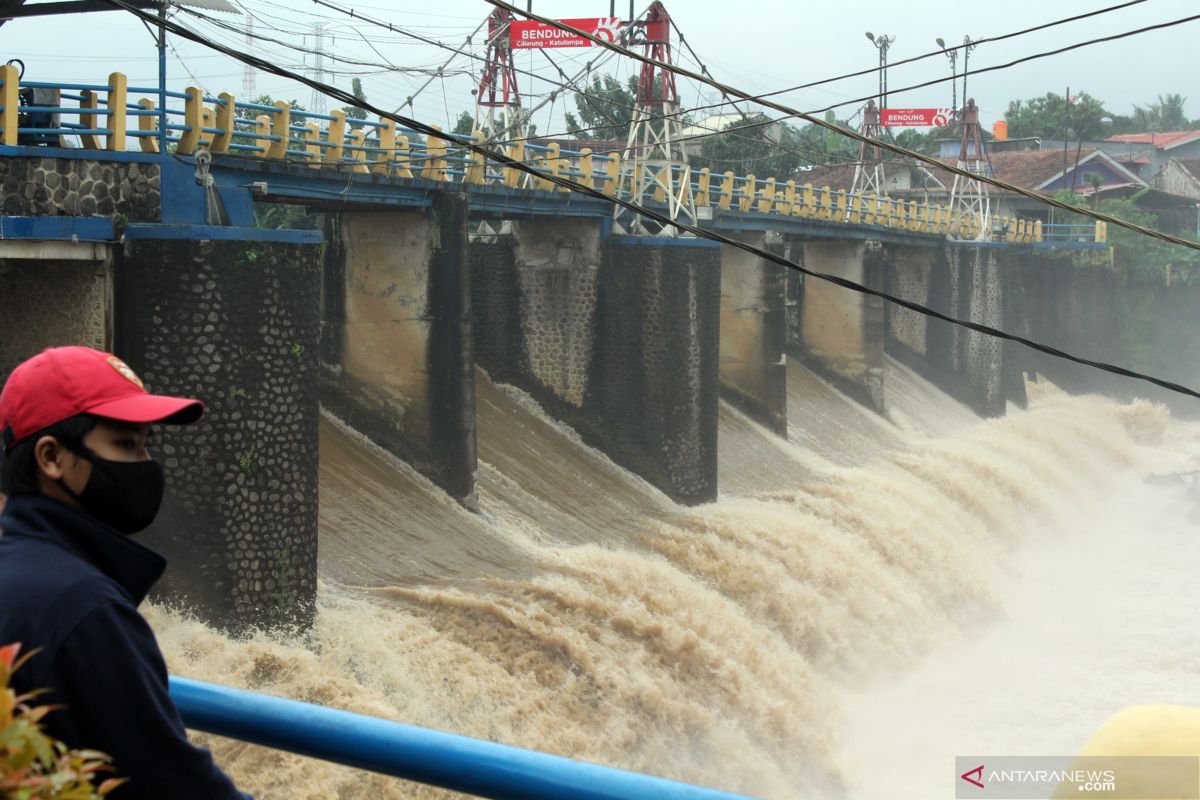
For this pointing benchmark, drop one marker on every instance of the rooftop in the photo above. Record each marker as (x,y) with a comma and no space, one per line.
(1162,141)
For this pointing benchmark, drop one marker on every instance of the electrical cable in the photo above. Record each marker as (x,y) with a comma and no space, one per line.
(761,98)
(895,148)
(997,38)
(933,53)
(428,130)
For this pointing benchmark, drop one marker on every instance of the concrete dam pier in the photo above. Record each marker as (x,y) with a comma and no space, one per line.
(632,341)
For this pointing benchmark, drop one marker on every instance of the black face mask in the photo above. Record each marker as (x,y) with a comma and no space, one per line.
(124,495)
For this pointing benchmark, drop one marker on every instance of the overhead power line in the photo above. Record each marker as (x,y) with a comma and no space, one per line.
(974,42)
(859,100)
(662,219)
(891,146)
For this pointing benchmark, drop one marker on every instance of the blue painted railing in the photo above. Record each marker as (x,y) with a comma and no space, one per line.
(485,769)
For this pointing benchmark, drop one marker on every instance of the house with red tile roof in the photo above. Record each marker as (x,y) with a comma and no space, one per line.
(1148,153)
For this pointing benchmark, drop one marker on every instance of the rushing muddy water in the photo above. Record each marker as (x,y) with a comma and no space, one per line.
(871,597)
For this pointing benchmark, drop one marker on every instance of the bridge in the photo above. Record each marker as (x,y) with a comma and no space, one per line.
(128,223)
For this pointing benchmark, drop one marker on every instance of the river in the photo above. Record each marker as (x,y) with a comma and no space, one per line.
(862,603)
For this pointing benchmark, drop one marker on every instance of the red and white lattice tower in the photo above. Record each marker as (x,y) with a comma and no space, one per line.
(655,168)
(498,83)
(868,170)
(248,71)
(969,199)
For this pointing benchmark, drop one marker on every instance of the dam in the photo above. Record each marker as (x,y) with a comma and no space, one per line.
(772,642)
(706,491)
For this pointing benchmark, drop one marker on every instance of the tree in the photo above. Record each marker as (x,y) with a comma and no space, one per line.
(354,112)
(605,110)
(264,100)
(1051,117)
(754,145)
(822,146)
(1166,114)
(465,124)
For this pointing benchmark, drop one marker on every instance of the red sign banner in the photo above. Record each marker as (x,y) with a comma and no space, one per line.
(915,117)
(529,33)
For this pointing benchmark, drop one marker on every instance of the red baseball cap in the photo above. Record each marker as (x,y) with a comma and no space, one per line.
(61,382)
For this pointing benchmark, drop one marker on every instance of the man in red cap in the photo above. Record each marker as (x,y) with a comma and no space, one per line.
(74,426)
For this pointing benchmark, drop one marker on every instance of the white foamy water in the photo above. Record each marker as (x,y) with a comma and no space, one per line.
(747,644)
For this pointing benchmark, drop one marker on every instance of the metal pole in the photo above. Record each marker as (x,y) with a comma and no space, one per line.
(968,47)
(883,71)
(954,83)
(1066,131)
(162,79)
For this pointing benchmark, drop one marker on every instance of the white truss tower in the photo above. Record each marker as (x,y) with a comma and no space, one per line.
(969,198)
(654,167)
(868,170)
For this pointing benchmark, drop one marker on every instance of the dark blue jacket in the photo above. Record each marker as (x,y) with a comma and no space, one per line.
(70,586)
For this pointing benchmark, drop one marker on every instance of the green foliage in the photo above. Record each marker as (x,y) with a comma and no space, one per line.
(465,124)
(605,111)
(34,766)
(823,146)
(1165,114)
(264,100)
(1139,258)
(285,216)
(1050,117)
(354,112)
(756,146)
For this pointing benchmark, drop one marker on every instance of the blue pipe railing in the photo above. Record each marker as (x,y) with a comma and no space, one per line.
(485,769)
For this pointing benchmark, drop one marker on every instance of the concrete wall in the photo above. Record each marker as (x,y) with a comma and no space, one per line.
(753,367)
(397,341)
(53,303)
(640,328)
(233,322)
(842,331)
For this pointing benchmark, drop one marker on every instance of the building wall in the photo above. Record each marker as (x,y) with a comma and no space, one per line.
(1177,180)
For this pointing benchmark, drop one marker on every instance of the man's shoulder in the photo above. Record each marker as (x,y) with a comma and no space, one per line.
(46,590)
(39,565)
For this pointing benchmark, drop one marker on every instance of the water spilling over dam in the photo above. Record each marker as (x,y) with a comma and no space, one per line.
(772,642)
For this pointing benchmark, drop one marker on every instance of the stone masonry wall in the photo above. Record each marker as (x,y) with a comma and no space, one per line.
(557,271)
(234,323)
(77,187)
(653,387)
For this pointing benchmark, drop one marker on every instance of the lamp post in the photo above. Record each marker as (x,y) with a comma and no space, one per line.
(953,56)
(883,42)
(967,47)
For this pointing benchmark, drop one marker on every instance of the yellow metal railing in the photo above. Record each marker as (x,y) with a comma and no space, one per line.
(223,125)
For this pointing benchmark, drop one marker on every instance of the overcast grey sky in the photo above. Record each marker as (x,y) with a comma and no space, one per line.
(757,45)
